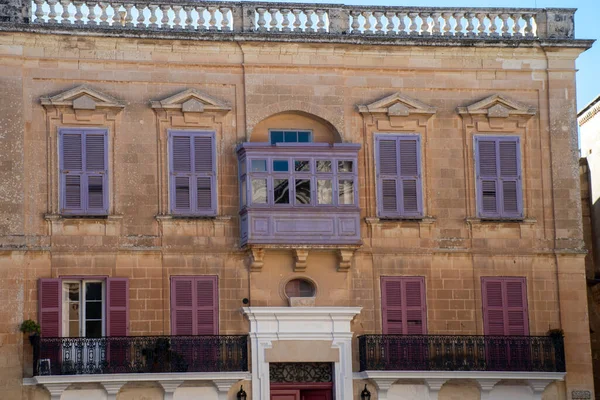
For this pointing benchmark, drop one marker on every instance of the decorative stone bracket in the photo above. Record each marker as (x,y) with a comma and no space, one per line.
(344,254)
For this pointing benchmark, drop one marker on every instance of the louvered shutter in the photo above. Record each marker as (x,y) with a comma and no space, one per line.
(505,306)
(182,306)
(72,177)
(398,176)
(49,293)
(403,305)
(117,307)
(516,307)
(498,177)
(206,306)
(96,173)
(493,307)
(193,173)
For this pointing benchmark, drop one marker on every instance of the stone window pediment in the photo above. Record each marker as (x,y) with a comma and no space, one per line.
(83,98)
(498,108)
(398,111)
(191,101)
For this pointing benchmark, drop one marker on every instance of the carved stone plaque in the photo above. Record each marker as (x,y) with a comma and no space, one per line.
(581,394)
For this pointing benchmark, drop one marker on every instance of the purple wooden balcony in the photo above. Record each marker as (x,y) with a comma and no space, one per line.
(299,193)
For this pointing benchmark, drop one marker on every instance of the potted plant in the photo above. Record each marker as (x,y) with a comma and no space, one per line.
(32,328)
(556,333)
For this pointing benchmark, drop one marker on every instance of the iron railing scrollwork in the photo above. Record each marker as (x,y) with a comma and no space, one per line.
(461,353)
(139,354)
(300,372)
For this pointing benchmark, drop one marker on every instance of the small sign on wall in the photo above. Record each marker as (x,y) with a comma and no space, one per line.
(581,394)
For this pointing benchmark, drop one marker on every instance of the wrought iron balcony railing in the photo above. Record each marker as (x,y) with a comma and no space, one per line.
(461,353)
(139,354)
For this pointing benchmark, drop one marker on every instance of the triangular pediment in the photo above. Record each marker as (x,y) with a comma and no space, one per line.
(397,105)
(498,106)
(82,98)
(191,100)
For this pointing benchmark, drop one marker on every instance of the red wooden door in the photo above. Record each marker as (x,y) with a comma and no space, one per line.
(320,394)
(285,394)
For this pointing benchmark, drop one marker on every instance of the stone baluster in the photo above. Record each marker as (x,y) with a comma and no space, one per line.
(504,18)
(78,14)
(401,23)
(128,15)
(212,21)
(378,23)
(412,28)
(390,25)
(177,16)
(493,26)
(39,12)
(425,23)
(116,19)
(201,21)
(225,21)
(297,22)
(91,17)
(436,30)
(458,29)
(141,19)
(447,27)
(367,25)
(52,11)
(320,21)
(355,23)
(309,21)
(65,16)
(164,21)
(481,27)
(470,26)
(285,22)
(153,17)
(516,26)
(189,19)
(261,19)
(528,26)
(103,14)
(273,24)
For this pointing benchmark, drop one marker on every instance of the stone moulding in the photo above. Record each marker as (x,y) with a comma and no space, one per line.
(498,106)
(397,105)
(191,100)
(82,98)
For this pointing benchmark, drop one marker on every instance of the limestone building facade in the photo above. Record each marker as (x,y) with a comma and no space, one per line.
(219,200)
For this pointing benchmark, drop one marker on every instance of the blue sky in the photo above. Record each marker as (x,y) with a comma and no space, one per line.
(586,27)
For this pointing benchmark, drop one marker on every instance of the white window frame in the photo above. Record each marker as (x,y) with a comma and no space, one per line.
(82,316)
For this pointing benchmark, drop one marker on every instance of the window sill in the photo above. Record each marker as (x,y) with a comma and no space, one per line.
(172,217)
(57,217)
(88,225)
(400,220)
(520,221)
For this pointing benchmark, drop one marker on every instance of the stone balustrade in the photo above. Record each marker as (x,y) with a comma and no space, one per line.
(299,19)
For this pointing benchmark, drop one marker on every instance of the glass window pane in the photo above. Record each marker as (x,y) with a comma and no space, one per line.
(281,191)
(73,291)
(93,329)
(323,166)
(345,166)
(324,191)
(259,191)
(243,192)
(259,165)
(73,311)
(346,191)
(291,137)
(302,166)
(276,137)
(93,291)
(303,137)
(302,191)
(280,166)
(73,329)
(93,310)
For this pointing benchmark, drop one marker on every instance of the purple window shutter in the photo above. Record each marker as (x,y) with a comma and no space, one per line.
(207,306)
(71,168)
(96,173)
(182,306)
(49,307)
(391,306)
(487,177)
(493,306)
(510,177)
(193,173)
(403,305)
(505,306)
(414,309)
(387,176)
(516,306)
(117,307)
(410,174)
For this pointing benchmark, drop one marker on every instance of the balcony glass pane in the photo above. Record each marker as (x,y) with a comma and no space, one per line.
(281,166)
(324,191)
(346,191)
(291,137)
(276,137)
(302,166)
(345,166)
(303,137)
(259,191)
(243,168)
(281,191)
(323,166)
(259,165)
(302,191)
(243,192)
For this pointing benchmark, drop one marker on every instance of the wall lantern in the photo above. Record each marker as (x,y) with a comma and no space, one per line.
(365,394)
(241,395)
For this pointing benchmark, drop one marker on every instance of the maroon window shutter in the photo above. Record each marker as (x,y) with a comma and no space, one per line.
(182,306)
(516,306)
(505,306)
(414,293)
(117,306)
(493,307)
(49,293)
(207,306)
(391,304)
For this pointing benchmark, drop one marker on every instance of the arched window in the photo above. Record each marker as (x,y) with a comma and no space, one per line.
(300,288)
